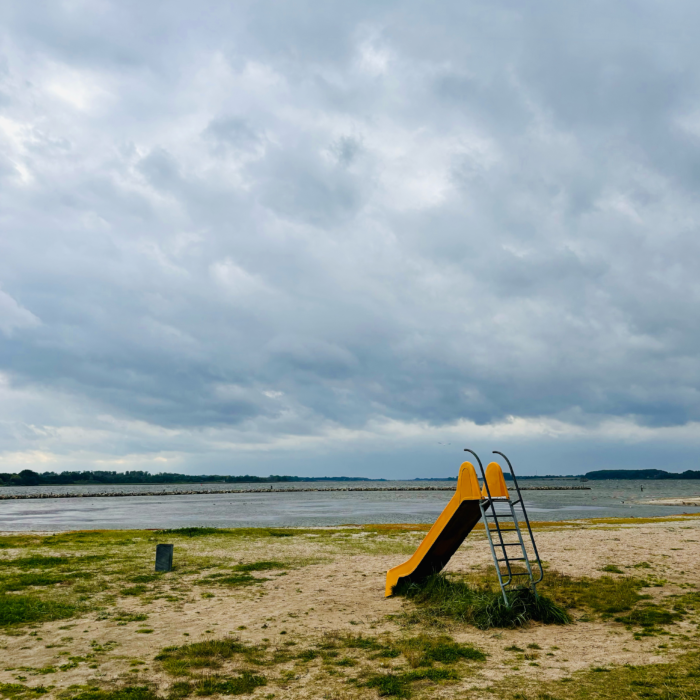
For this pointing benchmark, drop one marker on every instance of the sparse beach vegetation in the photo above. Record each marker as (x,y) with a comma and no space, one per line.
(480,604)
(300,611)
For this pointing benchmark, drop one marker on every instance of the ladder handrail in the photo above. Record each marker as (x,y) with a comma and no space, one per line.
(527,520)
(488,503)
(488,530)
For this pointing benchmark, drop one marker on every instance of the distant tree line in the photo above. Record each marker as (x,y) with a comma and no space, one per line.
(641,474)
(27,477)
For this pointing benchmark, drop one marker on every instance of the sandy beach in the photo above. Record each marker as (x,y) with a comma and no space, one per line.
(328,584)
(687,501)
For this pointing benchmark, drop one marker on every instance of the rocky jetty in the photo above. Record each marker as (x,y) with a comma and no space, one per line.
(210,492)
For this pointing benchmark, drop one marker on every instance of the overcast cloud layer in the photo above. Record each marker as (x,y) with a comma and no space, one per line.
(321,238)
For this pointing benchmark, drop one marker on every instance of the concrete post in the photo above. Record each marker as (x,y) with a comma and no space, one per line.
(164,557)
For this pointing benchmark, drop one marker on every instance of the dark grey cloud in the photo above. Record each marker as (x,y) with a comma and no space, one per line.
(252,236)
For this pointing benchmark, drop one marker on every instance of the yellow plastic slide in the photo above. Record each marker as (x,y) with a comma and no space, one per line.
(458,519)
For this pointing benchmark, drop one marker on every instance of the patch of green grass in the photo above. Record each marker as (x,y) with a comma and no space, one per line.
(345,661)
(138,589)
(687,600)
(243,684)
(192,531)
(223,579)
(84,539)
(98,648)
(399,684)
(483,607)
(677,680)
(424,650)
(122,616)
(43,671)
(280,533)
(419,651)
(356,641)
(35,562)
(23,609)
(387,653)
(18,541)
(129,692)
(180,660)
(649,616)
(612,569)
(18,691)
(40,561)
(259,566)
(605,595)
(145,578)
(307,655)
(19,582)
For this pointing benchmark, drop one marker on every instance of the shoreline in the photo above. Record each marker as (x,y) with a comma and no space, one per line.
(570,524)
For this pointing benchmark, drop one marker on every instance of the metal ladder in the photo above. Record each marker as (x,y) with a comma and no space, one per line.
(493,524)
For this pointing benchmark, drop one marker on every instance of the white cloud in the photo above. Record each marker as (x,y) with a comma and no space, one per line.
(237,282)
(280,232)
(13,316)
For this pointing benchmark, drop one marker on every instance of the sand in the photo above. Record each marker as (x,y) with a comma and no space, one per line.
(687,501)
(343,591)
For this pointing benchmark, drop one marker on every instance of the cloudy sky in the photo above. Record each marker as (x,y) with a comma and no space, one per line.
(314,237)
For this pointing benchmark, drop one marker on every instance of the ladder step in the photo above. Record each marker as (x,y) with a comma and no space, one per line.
(498,511)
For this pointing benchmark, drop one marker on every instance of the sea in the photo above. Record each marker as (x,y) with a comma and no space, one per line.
(287,505)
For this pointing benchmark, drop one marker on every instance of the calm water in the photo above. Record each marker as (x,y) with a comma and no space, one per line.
(605,499)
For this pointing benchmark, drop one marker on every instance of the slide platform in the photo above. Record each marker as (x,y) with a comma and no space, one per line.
(458,519)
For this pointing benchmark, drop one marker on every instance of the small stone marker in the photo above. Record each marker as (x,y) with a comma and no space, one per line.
(164,557)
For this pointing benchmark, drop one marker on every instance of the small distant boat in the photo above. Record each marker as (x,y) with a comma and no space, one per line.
(583,480)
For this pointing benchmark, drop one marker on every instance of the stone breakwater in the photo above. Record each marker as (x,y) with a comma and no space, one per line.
(130,494)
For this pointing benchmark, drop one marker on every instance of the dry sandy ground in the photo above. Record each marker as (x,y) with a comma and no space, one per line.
(345,592)
(686,501)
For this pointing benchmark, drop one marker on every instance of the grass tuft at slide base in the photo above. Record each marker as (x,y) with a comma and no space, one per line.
(482,607)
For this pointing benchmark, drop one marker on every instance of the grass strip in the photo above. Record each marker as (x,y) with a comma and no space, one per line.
(22,609)
(398,685)
(243,684)
(677,680)
(424,650)
(19,691)
(129,692)
(259,566)
(180,660)
(606,595)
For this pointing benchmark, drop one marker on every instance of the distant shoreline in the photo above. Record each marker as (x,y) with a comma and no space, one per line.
(28,477)
(210,492)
